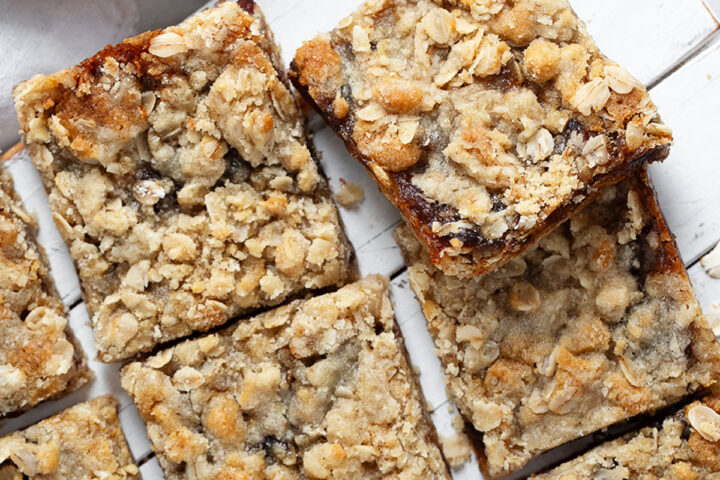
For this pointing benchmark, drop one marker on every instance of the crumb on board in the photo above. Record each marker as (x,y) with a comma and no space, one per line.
(242,223)
(456,448)
(711,262)
(350,194)
(458,423)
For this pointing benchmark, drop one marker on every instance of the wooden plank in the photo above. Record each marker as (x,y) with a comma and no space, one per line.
(418,341)
(654,35)
(420,348)
(687,182)
(295,21)
(368,225)
(707,290)
(134,429)
(713,6)
(443,419)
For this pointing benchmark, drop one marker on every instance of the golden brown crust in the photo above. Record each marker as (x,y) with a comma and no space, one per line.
(321,69)
(39,356)
(179,174)
(486,124)
(686,446)
(594,324)
(388,152)
(84,442)
(317,389)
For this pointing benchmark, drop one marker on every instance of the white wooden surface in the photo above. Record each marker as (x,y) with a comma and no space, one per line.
(673,49)
(688,181)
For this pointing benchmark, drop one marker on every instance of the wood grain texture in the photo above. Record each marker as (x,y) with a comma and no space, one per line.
(707,290)
(687,182)
(643,47)
(650,38)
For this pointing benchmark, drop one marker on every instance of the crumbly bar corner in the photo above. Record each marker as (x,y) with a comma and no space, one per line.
(179,175)
(486,123)
(320,388)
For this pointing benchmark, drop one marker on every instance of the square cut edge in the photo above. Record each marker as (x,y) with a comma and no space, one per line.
(486,125)
(320,387)
(684,445)
(179,174)
(594,325)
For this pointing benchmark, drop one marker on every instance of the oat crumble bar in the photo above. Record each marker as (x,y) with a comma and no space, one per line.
(84,442)
(685,446)
(594,324)
(179,174)
(40,359)
(486,122)
(317,389)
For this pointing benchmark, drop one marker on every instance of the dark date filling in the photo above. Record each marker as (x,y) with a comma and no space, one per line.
(247,5)
(421,213)
(427,212)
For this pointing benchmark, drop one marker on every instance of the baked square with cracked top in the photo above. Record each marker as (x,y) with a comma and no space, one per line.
(40,358)
(83,442)
(685,446)
(317,389)
(179,175)
(487,122)
(594,324)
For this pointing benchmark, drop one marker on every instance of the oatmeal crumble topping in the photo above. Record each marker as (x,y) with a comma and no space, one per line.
(350,194)
(686,446)
(456,448)
(39,356)
(486,122)
(82,442)
(179,175)
(317,389)
(594,324)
